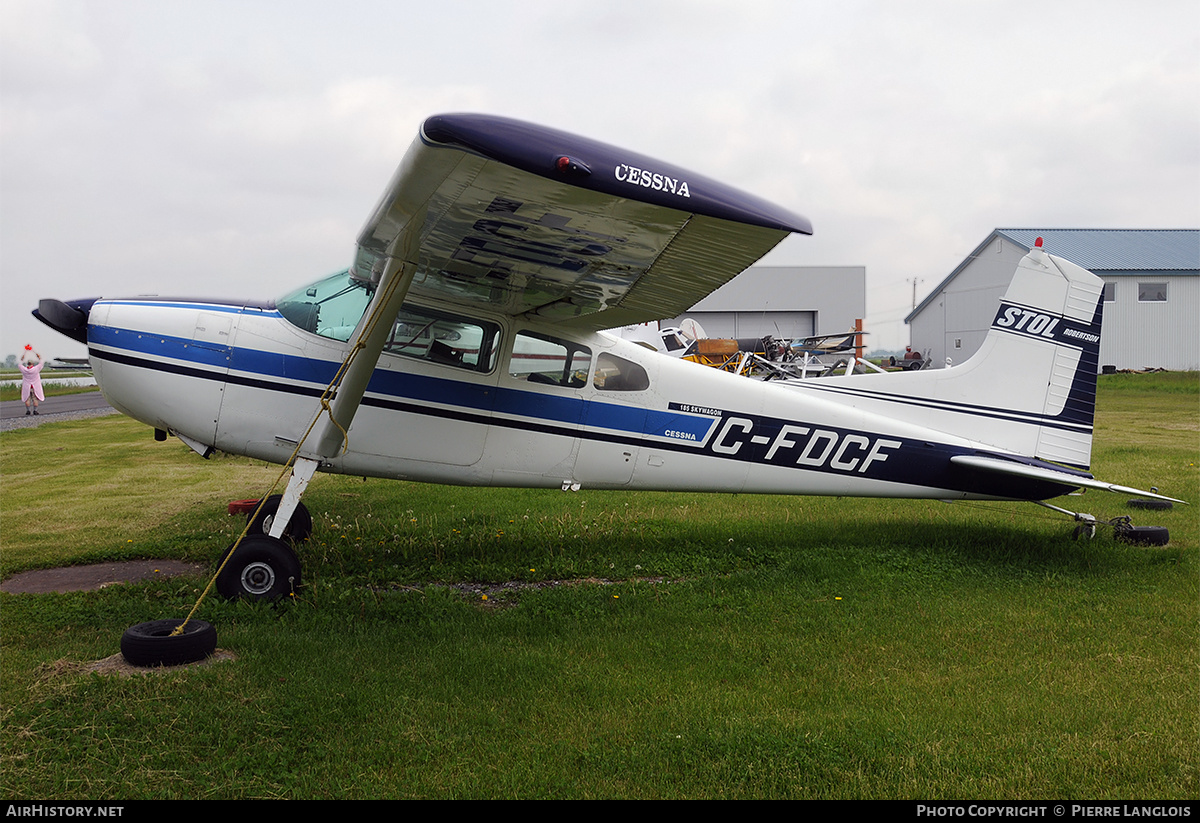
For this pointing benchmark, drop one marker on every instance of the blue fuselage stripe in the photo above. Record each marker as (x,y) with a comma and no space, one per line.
(308,376)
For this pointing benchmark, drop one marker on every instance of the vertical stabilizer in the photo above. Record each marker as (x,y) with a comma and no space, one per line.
(1030,390)
(1051,315)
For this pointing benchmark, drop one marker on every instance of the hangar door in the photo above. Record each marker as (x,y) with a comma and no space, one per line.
(789,324)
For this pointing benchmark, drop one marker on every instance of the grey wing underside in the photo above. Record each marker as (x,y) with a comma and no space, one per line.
(561,247)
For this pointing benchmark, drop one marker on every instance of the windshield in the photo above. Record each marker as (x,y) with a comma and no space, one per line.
(330,307)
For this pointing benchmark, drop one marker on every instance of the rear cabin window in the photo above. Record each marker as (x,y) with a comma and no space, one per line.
(549,361)
(618,374)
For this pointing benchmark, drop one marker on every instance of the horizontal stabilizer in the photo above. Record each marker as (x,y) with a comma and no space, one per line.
(1009,467)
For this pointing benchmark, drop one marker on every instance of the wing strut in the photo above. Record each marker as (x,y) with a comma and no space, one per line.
(349,385)
(359,365)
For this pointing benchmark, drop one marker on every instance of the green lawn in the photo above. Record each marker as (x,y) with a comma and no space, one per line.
(629,646)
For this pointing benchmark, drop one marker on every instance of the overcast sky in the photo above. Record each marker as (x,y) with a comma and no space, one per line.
(235,148)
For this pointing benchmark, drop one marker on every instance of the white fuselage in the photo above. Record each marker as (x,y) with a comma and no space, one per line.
(245,380)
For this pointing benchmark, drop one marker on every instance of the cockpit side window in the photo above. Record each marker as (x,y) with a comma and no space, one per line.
(540,358)
(331,307)
(618,374)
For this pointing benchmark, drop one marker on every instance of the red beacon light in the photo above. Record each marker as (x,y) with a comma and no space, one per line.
(569,165)
(1037,253)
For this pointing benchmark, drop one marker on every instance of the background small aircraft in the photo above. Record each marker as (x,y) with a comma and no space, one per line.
(464,345)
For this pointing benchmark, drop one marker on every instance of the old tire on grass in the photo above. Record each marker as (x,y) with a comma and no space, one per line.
(262,568)
(151,644)
(1142,535)
(298,528)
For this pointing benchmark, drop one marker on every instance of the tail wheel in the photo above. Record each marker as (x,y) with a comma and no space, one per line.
(1142,535)
(261,568)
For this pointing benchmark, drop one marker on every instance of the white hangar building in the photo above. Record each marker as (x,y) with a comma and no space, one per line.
(783,301)
(1151,294)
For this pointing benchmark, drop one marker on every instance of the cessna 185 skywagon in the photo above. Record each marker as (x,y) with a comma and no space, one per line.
(463,346)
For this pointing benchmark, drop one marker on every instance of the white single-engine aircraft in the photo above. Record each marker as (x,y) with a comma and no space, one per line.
(462,346)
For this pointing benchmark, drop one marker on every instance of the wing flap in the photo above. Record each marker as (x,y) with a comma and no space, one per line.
(1014,469)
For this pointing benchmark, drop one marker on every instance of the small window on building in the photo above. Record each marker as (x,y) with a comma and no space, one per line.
(1110,292)
(958,342)
(619,374)
(540,358)
(1152,292)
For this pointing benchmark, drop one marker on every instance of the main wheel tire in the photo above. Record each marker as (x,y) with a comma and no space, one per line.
(262,568)
(1142,535)
(151,644)
(298,528)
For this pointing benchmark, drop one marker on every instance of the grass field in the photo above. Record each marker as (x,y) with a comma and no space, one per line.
(457,642)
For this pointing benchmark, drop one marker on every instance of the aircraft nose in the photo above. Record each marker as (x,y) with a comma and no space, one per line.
(70,318)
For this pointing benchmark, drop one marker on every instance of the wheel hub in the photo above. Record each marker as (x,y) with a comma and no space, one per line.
(258,578)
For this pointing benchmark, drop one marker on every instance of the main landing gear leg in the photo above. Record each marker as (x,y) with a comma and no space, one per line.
(302,472)
(262,566)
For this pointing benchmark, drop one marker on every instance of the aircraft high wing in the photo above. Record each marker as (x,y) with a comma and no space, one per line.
(534,222)
(463,345)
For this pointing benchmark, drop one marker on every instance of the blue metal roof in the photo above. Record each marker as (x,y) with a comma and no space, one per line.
(1100,250)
